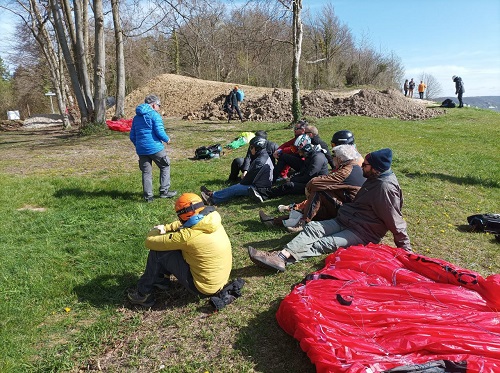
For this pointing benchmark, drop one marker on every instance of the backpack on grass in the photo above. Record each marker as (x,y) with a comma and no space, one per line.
(489,223)
(448,103)
(208,152)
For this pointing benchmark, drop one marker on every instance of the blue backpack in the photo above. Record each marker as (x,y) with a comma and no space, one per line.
(240,95)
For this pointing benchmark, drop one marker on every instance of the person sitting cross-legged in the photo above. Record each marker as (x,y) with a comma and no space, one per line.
(325,194)
(195,249)
(375,210)
(315,164)
(259,175)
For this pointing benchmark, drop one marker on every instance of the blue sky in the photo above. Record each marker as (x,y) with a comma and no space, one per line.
(438,37)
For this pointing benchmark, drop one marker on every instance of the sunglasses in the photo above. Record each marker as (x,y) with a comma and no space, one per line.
(365,164)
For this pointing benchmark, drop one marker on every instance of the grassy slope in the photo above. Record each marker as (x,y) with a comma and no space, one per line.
(64,270)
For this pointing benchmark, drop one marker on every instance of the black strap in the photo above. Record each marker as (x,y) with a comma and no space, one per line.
(191,207)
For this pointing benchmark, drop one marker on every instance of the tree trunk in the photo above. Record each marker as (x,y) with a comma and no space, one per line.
(61,36)
(99,64)
(81,54)
(120,61)
(297,49)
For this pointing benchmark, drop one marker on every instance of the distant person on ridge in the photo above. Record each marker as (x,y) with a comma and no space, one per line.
(405,87)
(231,104)
(411,87)
(421,89)
(459,89)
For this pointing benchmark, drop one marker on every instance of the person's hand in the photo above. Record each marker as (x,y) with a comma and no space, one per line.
(243,174)
(161,228)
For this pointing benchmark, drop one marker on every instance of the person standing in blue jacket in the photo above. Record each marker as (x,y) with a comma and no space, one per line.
(148,135)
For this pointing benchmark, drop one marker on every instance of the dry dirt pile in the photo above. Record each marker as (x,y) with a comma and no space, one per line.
(196,99)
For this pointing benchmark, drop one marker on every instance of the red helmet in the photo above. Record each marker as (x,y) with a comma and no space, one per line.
(187,205)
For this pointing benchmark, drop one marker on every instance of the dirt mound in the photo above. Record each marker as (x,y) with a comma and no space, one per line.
(196,99)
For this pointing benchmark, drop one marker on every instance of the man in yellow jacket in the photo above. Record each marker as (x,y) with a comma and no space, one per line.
(195,249)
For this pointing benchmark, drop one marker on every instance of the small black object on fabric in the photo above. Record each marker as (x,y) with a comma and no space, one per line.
(228,294)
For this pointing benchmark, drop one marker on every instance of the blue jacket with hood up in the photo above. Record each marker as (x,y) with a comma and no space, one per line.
(147,132)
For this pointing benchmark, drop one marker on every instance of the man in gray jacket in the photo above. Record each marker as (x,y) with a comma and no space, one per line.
(375,210)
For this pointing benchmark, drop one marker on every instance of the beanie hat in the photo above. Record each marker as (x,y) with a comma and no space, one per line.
(380,159)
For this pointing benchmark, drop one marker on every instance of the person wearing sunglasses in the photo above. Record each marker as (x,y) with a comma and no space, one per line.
(287,156)
(375,210)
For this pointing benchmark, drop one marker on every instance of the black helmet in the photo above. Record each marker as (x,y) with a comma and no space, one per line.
(258,142)
(343,137)
(308,149)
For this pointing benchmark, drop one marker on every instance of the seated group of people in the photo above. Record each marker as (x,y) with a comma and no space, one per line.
(358,202)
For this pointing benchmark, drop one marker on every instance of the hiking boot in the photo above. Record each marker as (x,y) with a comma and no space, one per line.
(266,259)
(168,194)
(207,200)
(252,192)
(266,219)
(297,228)
(205,190)
(145,300)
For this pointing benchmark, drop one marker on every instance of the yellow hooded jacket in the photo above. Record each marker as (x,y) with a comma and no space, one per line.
(205,247)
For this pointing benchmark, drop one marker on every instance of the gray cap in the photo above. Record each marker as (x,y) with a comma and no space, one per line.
(152,99)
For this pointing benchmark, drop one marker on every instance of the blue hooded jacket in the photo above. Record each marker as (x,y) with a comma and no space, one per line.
(147,132)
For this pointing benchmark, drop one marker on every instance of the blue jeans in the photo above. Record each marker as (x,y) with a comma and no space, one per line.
(146,166)
(161,263)
(321,237)
(228,193)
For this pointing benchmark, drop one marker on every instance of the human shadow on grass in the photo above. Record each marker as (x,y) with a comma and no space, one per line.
(468,180)
(114,194)
(264,343)
(111,290)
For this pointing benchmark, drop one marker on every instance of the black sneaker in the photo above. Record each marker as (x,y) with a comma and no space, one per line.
(169,194)
(207,200)
(148,199)
(147,300)
(252,192)
(205,190)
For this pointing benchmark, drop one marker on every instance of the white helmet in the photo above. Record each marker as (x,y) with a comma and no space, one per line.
(453,77)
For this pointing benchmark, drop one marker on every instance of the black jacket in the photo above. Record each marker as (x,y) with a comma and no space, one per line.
(314,165)
(316,140)
(260,172)
(271,147)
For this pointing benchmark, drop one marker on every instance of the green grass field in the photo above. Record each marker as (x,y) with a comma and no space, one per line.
(64,270)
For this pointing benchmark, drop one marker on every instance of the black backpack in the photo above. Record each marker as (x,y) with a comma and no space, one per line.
(486,223)
(448,103)
(208,152)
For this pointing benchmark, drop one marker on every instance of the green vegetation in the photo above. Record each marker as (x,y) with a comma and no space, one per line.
(64,269)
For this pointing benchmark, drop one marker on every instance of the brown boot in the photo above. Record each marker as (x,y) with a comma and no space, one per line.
(297,228)
(267,220)
(266,259)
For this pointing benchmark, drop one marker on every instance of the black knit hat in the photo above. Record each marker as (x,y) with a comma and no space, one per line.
(380,159)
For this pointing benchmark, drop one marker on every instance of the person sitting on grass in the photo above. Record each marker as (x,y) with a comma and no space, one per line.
(375,210)
(259,175)
(325,194)
(195,249)
(242,164)
(315,164)
(287,153)
(313,133)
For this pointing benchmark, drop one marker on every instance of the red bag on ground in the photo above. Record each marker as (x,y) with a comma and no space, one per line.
(122,125)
